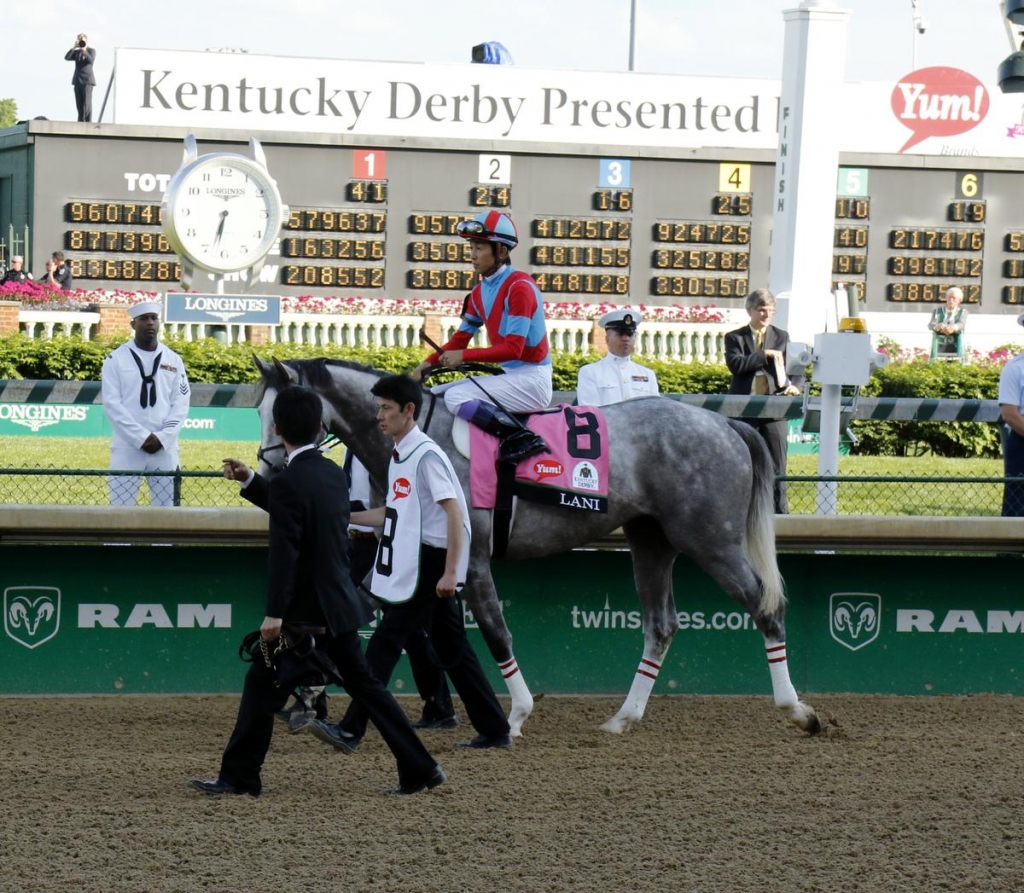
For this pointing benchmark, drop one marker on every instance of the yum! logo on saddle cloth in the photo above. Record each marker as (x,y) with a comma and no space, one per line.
(573,473)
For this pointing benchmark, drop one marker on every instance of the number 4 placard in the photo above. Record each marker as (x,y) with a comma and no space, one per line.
(733,177)
(495,169)
(369,164)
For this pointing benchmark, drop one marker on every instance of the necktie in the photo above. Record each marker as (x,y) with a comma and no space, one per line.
(394,455)
(759,339)
(147,397)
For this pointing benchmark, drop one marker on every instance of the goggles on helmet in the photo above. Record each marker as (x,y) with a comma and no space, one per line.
(490,226)
(472,228)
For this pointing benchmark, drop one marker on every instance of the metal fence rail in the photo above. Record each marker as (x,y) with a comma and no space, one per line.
(855,494)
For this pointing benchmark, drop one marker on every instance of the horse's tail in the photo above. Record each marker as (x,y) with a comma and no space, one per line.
(761,520)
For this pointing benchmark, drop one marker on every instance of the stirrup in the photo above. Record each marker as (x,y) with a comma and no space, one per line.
(513,449)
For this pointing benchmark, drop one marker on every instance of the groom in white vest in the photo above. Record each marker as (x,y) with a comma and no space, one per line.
(421,565)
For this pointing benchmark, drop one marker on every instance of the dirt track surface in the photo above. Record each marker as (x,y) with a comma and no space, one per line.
(707,794)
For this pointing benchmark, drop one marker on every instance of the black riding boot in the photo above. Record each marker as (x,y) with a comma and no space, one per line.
(515,441)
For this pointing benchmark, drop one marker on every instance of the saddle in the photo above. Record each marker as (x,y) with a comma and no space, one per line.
(572,473)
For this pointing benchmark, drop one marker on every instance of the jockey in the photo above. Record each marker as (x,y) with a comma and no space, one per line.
(509,305)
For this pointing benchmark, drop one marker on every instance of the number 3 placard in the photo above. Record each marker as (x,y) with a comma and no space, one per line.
(613,173)
(369,164)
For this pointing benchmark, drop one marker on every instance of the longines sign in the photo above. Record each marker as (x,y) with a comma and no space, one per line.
(932,111)
(250,310)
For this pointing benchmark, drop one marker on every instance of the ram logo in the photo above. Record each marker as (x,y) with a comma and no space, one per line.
(854,618)
(31,614)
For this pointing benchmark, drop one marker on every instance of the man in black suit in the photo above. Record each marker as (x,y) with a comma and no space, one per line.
(756,357)
(83,79)
(309,584)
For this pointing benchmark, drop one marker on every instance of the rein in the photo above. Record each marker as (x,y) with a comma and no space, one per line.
(462,368)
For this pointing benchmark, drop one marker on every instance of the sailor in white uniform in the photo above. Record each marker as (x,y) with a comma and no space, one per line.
(616,377)
(146,399)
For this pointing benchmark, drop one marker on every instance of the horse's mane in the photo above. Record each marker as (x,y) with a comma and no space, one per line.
(314,373)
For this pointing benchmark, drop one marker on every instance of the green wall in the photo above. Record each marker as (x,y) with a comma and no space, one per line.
(135,619)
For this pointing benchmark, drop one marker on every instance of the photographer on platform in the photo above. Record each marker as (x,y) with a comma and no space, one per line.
(83,79)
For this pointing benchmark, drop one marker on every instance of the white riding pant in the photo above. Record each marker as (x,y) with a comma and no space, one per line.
(520,389)
(124,488)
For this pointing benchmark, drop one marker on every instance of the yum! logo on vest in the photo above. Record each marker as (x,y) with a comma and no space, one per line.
(400,489)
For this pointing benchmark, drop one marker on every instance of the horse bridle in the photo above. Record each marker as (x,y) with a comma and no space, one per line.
(328,443)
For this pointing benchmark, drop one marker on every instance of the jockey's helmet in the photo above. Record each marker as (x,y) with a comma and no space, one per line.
(490,226)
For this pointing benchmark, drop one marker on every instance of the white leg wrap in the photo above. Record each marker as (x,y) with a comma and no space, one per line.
(632,709)
(643,685)
(522,700)
(778,666)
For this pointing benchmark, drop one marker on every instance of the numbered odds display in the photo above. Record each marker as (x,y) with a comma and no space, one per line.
(381,222)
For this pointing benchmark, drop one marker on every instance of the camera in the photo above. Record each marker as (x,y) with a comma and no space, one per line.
(1011,71)
(81,42)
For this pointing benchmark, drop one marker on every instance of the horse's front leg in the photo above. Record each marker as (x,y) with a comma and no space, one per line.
(653,558)
(658,636)
(483,599)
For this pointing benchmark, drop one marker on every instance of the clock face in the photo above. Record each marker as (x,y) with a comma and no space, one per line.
(223,213)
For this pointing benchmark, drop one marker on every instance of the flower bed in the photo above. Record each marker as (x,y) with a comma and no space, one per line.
(36,296)
(40,297)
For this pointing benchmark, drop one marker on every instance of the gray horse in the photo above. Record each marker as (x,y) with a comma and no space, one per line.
(681,480)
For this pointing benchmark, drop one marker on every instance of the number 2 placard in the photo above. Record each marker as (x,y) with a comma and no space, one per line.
(495,169)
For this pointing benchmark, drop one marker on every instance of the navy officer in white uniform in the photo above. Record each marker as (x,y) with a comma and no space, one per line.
(616,377)
(146,398)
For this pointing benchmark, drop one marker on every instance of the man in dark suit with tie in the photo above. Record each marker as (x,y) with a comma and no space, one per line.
(83,80)
(309,584)
(756,357)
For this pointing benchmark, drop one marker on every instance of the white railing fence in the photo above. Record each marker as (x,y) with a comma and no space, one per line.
(44,324)
(692,342)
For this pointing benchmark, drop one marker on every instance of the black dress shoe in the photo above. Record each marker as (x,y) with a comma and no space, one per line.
(485,742)
(331,733)
(435,779)
(216,786)
(436,722)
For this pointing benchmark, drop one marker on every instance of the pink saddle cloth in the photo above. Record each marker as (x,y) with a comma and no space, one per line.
(573,473)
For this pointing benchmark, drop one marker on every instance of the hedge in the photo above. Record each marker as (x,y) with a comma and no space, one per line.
(211,362)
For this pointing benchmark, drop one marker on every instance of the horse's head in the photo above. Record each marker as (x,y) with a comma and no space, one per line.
(275,377)
(349,410)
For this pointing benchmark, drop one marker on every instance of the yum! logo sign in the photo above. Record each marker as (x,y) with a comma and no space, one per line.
(938,101)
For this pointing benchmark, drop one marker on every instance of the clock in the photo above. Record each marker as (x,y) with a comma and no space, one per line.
(222,213)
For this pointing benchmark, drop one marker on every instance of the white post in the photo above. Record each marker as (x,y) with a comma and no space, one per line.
(828,449)
(806,164)
(632,34)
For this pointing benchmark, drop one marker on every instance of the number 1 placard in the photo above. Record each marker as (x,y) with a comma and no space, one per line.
(369,164)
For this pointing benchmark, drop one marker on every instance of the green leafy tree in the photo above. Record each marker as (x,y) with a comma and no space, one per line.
(8,113)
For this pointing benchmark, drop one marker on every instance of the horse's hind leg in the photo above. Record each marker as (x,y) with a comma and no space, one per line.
(737,577)
(487,610)
(653,557)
